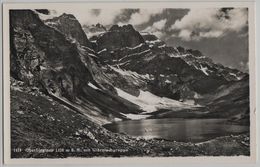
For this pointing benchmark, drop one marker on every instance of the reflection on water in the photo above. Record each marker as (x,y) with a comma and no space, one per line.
(194,130)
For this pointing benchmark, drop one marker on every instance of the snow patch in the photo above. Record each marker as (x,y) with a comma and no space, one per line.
(88,49)
(51,24)
(103,50)
(136,116)
(90,54)
(168,81)
(154,41)
(124,63)
(130,73)
(148,57)
(43,68)
(204,70)
(190,101)
(238,78)
(161,75)
(150,102)
(134,54)
(20,112)
(137,46)
(162,46)
(117,119)
(93,86)
(174,55)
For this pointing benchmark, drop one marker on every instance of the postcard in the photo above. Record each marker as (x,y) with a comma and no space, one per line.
(147,82)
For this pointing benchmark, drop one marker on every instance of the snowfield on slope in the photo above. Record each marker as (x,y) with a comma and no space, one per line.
(151,103)
(130,73)
(136,116)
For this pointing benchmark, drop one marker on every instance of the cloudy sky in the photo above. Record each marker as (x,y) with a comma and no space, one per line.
(219,33)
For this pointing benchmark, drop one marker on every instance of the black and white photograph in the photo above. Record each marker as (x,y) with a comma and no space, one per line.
(116,82)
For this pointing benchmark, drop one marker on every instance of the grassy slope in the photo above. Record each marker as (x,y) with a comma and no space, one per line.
(51,125)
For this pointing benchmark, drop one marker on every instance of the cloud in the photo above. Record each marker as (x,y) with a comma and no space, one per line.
(159,24)
(143,16)
(158,34)
(90,16)
(157,28)
(210,23)
(109,16)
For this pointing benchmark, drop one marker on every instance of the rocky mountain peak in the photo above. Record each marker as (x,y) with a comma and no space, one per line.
(43,11)
(94,30)
(70,27)
(67,16)
(98,25)
(118,37)
(124,28)
(114,28)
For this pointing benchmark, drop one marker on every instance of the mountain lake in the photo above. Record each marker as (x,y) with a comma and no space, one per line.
(182,130)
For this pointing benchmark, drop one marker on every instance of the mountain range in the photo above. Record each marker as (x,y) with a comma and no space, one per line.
(119,73)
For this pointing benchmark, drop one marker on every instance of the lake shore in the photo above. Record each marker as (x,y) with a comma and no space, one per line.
(49,125)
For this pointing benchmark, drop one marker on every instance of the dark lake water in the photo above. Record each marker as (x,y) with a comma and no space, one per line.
(185,130)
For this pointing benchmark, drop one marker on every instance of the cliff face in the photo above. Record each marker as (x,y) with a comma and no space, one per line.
(42,56)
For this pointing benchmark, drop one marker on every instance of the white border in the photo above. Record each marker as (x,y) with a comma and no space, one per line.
(131,160)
